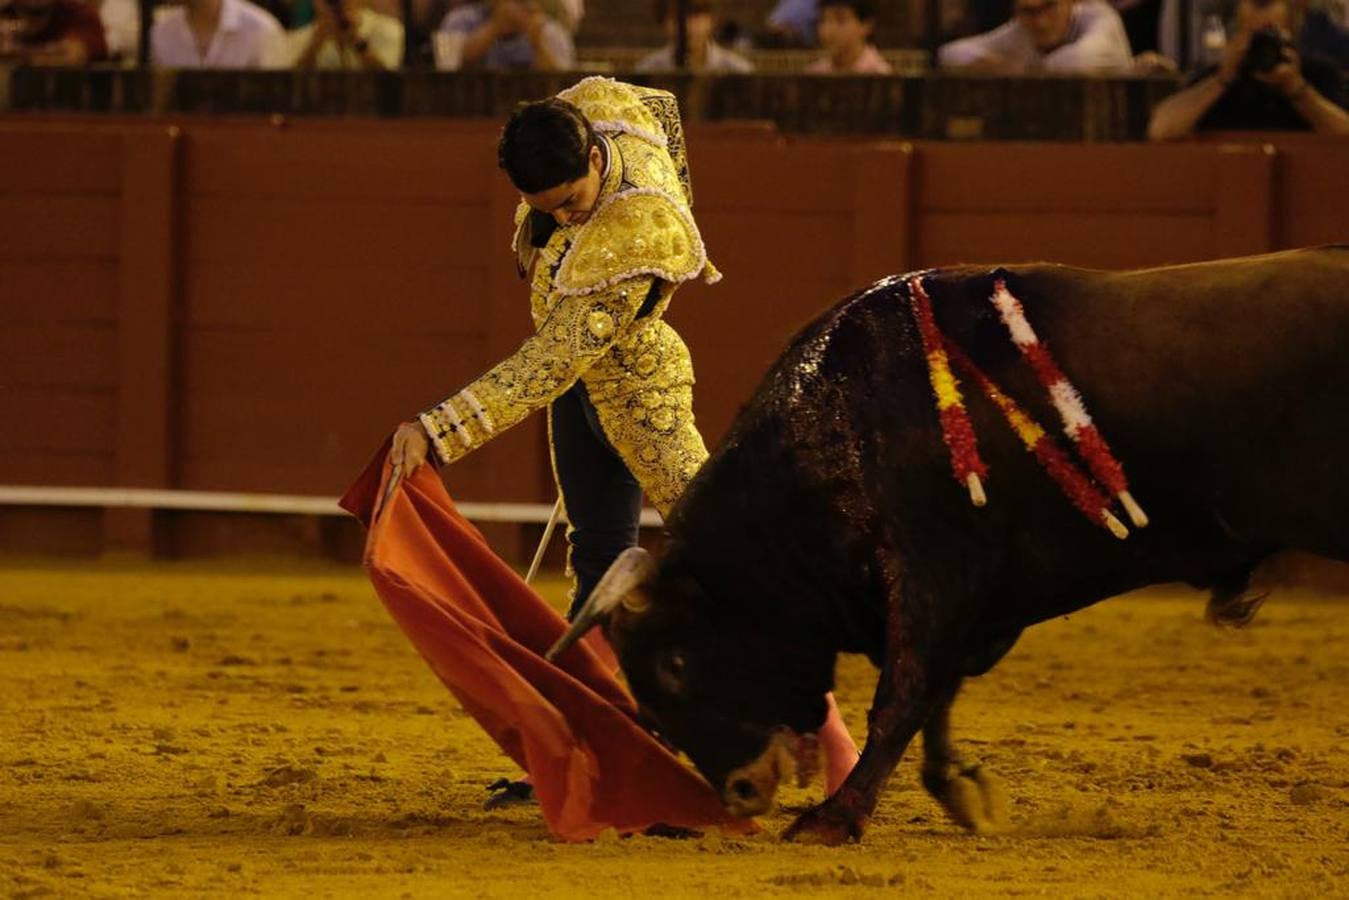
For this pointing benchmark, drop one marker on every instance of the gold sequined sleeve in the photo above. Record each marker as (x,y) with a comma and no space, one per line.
(579,330)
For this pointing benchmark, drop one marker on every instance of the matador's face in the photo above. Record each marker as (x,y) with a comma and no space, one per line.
(571,202)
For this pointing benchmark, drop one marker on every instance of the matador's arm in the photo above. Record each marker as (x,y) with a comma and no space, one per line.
(580,329)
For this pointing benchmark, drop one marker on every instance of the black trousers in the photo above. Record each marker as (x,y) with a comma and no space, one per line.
(602,498)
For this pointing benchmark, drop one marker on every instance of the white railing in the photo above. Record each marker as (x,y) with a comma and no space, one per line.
(230,501)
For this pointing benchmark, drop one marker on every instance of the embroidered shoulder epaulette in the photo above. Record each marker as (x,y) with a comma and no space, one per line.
(614,107)
(634,233)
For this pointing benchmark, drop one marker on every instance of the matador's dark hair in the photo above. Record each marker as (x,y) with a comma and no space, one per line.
(545,143)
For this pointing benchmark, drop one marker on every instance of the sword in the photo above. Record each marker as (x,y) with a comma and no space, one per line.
(543,543)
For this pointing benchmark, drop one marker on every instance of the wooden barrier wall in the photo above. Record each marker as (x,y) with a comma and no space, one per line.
(934,106)
(240,306)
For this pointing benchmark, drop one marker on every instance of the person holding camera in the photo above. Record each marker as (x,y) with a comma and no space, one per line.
(347,34)
(510,34)
(1261,84)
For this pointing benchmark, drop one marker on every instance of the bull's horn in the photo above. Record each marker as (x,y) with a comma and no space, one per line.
(629,570)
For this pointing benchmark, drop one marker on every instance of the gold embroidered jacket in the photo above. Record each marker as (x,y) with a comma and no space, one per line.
(589,283)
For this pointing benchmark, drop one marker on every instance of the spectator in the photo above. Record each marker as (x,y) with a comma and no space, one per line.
(121,27)
(569,14)
(1046,35)
(510,34)
(1261,83)
(218,34)
(792,23)
(347,34)
(705,54)
(51,33)
(846,27)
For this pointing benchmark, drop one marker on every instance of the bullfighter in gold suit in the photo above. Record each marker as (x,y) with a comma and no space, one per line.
(606,228)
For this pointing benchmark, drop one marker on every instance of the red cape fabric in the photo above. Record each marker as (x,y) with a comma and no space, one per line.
(571,726)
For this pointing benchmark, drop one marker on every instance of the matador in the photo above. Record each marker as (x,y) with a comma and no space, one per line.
(605,232)
(606,229)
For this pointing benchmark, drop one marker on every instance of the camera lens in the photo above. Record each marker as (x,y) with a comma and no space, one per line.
(1267,50)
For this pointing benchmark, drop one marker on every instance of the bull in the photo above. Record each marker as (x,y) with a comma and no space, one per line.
(828,520)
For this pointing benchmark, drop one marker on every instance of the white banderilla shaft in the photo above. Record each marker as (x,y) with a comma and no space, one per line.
(543,542)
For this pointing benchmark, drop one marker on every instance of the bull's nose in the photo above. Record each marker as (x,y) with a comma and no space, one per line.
(743,789)
(743,797)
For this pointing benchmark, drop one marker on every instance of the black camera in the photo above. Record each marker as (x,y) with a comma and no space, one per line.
(1268,49)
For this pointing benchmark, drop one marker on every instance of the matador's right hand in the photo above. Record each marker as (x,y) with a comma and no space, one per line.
(410,447)
(409,451)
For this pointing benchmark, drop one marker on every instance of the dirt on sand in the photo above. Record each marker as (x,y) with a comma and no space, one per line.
(183,730)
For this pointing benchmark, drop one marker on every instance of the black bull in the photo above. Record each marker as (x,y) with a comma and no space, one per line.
(829,520)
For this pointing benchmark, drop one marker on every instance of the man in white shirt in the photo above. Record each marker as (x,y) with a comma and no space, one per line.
(1068,36)
(218,34)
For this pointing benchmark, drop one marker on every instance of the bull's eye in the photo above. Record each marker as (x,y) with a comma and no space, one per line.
(670,673)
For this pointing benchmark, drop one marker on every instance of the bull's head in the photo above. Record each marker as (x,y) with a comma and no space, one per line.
(723,686)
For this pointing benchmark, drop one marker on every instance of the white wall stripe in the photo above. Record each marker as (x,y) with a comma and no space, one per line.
(222,501)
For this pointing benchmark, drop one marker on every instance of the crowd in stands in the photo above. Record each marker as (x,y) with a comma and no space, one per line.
(1297,83)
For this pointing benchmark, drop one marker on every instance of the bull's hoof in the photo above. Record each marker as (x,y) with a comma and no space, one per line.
(974,797)
(829,824)
(505,793)
(1234,611)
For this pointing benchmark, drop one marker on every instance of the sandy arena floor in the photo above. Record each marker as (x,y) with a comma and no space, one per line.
(180,730)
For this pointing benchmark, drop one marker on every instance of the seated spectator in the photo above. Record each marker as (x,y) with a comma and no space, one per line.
(510,34)
(1262,83)
(705,54)
(846,27)
(51,33)
(1046,35)
(793,23)
(218,34)
(570,13)
(347,34)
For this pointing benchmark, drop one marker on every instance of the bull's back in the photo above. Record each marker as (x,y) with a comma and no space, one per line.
(1231,377)
(1221,386)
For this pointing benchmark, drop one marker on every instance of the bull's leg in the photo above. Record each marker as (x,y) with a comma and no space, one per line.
(901,706)
(971,795)
(904,699)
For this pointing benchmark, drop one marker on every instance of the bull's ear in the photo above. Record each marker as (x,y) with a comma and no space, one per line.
(632,567)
